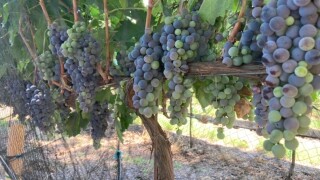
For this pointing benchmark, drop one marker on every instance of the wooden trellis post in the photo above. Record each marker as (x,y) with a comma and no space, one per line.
(15,147)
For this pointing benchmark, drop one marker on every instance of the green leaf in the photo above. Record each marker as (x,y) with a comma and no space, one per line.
(85,119)
(203,98)
(5,13)
(211,9)
(3,69)
(57,116)
(105,95)
(124,3)
(76,121)
(118,128)
(315,95)
(132,26)
(72,124)
(191,3)
(94,11)
(22,65)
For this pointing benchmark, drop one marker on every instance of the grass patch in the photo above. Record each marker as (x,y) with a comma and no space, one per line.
(4,123)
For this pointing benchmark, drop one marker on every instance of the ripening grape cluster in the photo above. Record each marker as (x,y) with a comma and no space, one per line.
(13,87)
(58,35)
(224,90)
(261,108)
(46,64)
(123,65)
(147,77)
(248,48)
(83,85)
(82,51)
(290,53)
(98,120)
(184,39)
(40,107)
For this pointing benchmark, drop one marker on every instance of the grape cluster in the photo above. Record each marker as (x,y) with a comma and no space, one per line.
(98,121)
(289,55)
(40,107)
(261,108)
(58,35)
(82,51)
(46,63)
(13,94)
(224,90)
(147,77)
(84,85)
(122,66)
(184,39)
(248,48)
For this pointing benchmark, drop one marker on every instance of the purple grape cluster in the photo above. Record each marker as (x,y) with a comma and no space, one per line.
(58,35)
(40,107)
(289,54)
(261,109)
(83,85)
(147,77)
(99,122)
(13,94)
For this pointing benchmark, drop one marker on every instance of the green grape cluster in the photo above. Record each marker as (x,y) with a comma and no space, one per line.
(224,93)
(46,65)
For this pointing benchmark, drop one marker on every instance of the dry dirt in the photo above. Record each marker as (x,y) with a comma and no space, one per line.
(205,161)
(202,162)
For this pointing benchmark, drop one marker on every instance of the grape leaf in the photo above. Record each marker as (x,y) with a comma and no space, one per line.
(211,9)
(94,11)
(3,69)
(242,108)
(105,95)
(124,3)
(203,98)
(72,124)
(76,121)
(5,12)
(191,3)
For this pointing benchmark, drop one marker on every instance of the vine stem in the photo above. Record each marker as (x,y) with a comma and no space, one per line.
(293,162)
(31,52)
(45,12)
(75,10)
(62,86)
(108,58)
(25,41)
(149,16)
(102,74)
(237,26)
(125,9)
